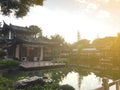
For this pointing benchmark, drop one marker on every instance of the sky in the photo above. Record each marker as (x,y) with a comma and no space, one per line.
(92,18)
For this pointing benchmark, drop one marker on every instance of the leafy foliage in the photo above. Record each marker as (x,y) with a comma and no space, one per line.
(58,46)
(8,63)
(116,44)
(2,54)
(5,83)
(103,43)
(116,49)
(36,30)
(52,86)
(84,43)
(66,87)
(58,39)
(18,7)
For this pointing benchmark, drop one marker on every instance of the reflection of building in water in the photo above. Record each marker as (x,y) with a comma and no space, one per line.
(22,43)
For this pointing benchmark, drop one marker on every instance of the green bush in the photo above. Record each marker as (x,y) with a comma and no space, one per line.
(2,54)
(4,63)
(52,86)
(66,87)
(5,84)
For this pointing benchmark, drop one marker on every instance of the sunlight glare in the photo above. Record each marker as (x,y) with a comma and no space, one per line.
(68,24)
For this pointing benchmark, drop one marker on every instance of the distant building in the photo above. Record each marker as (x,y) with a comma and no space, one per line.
(21,43)
(90,51)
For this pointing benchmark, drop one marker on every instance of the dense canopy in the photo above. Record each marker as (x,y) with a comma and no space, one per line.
(18,7)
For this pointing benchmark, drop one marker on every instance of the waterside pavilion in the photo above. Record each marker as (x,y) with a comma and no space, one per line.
(23,44)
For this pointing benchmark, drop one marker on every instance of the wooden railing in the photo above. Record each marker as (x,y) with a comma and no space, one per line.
(106,85)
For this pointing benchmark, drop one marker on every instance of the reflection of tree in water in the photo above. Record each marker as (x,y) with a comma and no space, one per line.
(55,74)
(81,73)
(58,74)
(111,74)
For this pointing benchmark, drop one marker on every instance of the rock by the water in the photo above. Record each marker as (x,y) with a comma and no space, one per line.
(31,81)
(66,87)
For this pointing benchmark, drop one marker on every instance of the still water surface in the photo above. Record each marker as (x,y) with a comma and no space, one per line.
(78,78)
(89,82)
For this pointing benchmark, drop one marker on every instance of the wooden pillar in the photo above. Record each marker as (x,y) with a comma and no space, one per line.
(41,53)
(27,53)
(20,56)
(10,35)
(105,83)
(17,52)
(6,51)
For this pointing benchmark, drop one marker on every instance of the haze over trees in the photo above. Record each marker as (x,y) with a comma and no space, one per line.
(106,49)
(103,43)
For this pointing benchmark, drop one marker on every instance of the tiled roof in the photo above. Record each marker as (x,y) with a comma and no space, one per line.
(34,40)
(23,29)
(23,35)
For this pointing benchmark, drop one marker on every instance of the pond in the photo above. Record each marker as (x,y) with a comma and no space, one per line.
(79,78)
(89,82)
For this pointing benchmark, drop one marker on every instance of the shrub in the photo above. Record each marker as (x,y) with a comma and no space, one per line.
(2,54)
(5,84)
(4,63)
(52,86)
(66,87)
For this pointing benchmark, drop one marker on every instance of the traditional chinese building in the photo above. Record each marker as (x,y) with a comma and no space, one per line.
(22,43)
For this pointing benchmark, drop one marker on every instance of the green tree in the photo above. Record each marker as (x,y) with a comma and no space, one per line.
(84,43)
(116,44)
(78,46)
(58,46)
(36,30)
(116,49)
(2,54)
(57,38)
(61,48)
(103,43)
(18,7)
